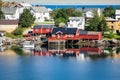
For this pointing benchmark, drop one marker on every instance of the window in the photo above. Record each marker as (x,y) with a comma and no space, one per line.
(112,27)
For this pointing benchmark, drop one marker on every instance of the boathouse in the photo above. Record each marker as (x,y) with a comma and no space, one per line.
(64,34)
(90,35)
(42,29)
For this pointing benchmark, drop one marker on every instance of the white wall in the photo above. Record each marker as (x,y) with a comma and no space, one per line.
(77,24)
(14,16)
(40,17)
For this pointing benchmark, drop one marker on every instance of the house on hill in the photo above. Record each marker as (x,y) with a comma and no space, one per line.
(41,13)
(8,25)
(113,24)
(88,12)
(117,13)
(76,22)
(11,13)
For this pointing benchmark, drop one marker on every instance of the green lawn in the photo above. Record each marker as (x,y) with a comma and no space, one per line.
(47,22)
(112,36)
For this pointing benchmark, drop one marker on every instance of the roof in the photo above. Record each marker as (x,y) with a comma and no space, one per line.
(44,26)
(40,9)
(111,19)
(89,32)
(64,30)
(117,12)
(9,10)
(8,22)
(88,9)
(76,18)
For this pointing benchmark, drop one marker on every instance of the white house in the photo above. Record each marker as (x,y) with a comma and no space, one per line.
(11,13)
(76,22)
(90,14)
(22,6)
(41,13)
(117,13)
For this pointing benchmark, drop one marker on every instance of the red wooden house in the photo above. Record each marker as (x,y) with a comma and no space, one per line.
(64,34)
(90,35)
(42,29)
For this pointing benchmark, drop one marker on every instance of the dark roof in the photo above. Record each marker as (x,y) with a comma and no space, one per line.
(8,22)
(44,26)
(9,10)
(64,30)
(89,32)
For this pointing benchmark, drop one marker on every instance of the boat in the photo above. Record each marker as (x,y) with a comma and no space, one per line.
(27,44)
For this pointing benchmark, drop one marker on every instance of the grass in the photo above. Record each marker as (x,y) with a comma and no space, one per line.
(112,36)
(46,22)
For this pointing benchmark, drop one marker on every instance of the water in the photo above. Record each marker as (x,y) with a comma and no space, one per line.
(92,65)
(77,6)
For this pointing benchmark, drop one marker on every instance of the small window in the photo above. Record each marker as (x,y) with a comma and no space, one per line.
(112,27)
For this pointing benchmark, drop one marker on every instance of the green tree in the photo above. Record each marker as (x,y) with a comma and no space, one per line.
(97,23)
(1,14)
(94,22)
(103,24)
(26,18)
(109,11)
(59,20)
(62,15)
(18,31)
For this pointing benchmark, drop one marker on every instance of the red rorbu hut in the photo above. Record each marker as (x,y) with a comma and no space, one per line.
(42,29)
(90,35)
(64,34)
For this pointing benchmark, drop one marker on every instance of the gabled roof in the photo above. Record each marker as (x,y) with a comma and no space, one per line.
(9,10)
(64,30)
(40,9)
(44,26)
(8,22)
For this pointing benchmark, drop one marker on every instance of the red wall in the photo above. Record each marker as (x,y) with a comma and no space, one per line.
(42,30)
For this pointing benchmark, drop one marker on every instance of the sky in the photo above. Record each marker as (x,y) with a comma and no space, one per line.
(72,2)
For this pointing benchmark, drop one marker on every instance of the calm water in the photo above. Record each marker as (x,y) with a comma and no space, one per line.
(56,67)
(77,6)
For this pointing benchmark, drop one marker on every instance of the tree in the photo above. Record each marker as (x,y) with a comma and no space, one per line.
(103,24)
(62,15)
(98,23)
(94,22)
(1,14)
(59,20)
(26,18)
(109,11)
(18,31)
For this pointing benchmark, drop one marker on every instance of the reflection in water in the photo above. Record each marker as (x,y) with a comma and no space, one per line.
(74,51)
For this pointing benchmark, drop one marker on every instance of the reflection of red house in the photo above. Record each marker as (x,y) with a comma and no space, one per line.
(91,50)
(90,35)
(42,29)
(88,50)
(64,34)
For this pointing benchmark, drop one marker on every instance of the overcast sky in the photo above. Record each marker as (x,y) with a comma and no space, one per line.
(80,2)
